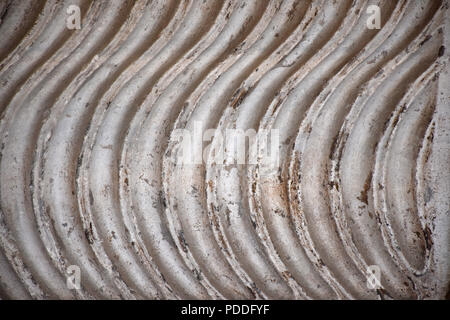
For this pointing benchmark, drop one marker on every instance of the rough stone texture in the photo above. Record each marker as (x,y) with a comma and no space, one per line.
(87,143)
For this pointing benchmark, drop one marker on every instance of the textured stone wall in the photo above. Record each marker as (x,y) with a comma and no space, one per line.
(95,202)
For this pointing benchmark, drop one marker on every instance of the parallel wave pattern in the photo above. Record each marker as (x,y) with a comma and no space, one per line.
(87,149)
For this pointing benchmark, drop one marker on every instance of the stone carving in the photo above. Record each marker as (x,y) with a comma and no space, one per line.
(94,202)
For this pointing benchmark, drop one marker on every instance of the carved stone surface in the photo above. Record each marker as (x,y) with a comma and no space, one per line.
(94,204)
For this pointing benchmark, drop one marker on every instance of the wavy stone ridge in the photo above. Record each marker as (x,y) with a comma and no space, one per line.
(88,143)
